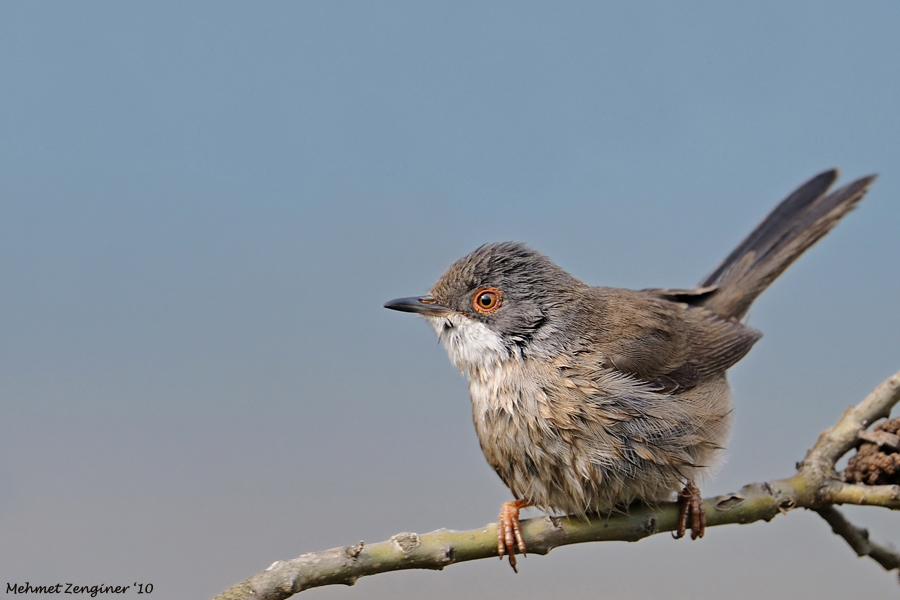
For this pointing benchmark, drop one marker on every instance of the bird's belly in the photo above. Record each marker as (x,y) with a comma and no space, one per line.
(574,447)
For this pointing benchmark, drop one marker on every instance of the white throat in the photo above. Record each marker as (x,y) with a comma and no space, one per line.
(473,347)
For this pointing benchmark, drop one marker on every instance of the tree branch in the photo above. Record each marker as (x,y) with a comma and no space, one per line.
(836,441)
(858,538)
(816,486)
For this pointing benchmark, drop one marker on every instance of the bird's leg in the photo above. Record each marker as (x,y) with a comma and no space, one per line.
(509,531)
(690,505)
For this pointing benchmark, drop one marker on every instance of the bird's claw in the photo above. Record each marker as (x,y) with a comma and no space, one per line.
(690,506)
(509,532)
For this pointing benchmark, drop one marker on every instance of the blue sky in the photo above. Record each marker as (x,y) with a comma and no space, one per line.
(203,207)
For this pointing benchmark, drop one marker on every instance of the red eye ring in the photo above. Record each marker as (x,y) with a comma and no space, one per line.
(487,300)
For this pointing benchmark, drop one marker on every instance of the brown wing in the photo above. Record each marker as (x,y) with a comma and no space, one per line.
(670,345)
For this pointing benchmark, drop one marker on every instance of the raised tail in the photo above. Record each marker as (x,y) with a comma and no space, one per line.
(786,233)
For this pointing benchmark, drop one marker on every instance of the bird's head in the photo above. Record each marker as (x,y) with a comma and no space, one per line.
(497,303)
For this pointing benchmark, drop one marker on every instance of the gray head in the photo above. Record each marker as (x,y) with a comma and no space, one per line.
(493,303)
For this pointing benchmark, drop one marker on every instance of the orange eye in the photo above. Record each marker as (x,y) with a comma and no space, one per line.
(487,300)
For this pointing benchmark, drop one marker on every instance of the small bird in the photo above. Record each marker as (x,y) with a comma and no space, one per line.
(587,399)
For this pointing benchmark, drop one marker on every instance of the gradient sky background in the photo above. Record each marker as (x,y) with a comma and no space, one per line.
(204,205)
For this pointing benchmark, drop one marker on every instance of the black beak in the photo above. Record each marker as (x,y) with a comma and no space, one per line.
(421,305)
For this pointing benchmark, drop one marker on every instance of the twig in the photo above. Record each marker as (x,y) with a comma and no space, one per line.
(858,538)
(875,495)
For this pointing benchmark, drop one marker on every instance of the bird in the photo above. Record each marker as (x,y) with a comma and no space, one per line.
(588,399)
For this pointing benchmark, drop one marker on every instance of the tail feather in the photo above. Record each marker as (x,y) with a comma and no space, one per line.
(786,233)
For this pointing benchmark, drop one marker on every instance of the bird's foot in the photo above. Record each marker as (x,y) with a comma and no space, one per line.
(509,531)
(690,506)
